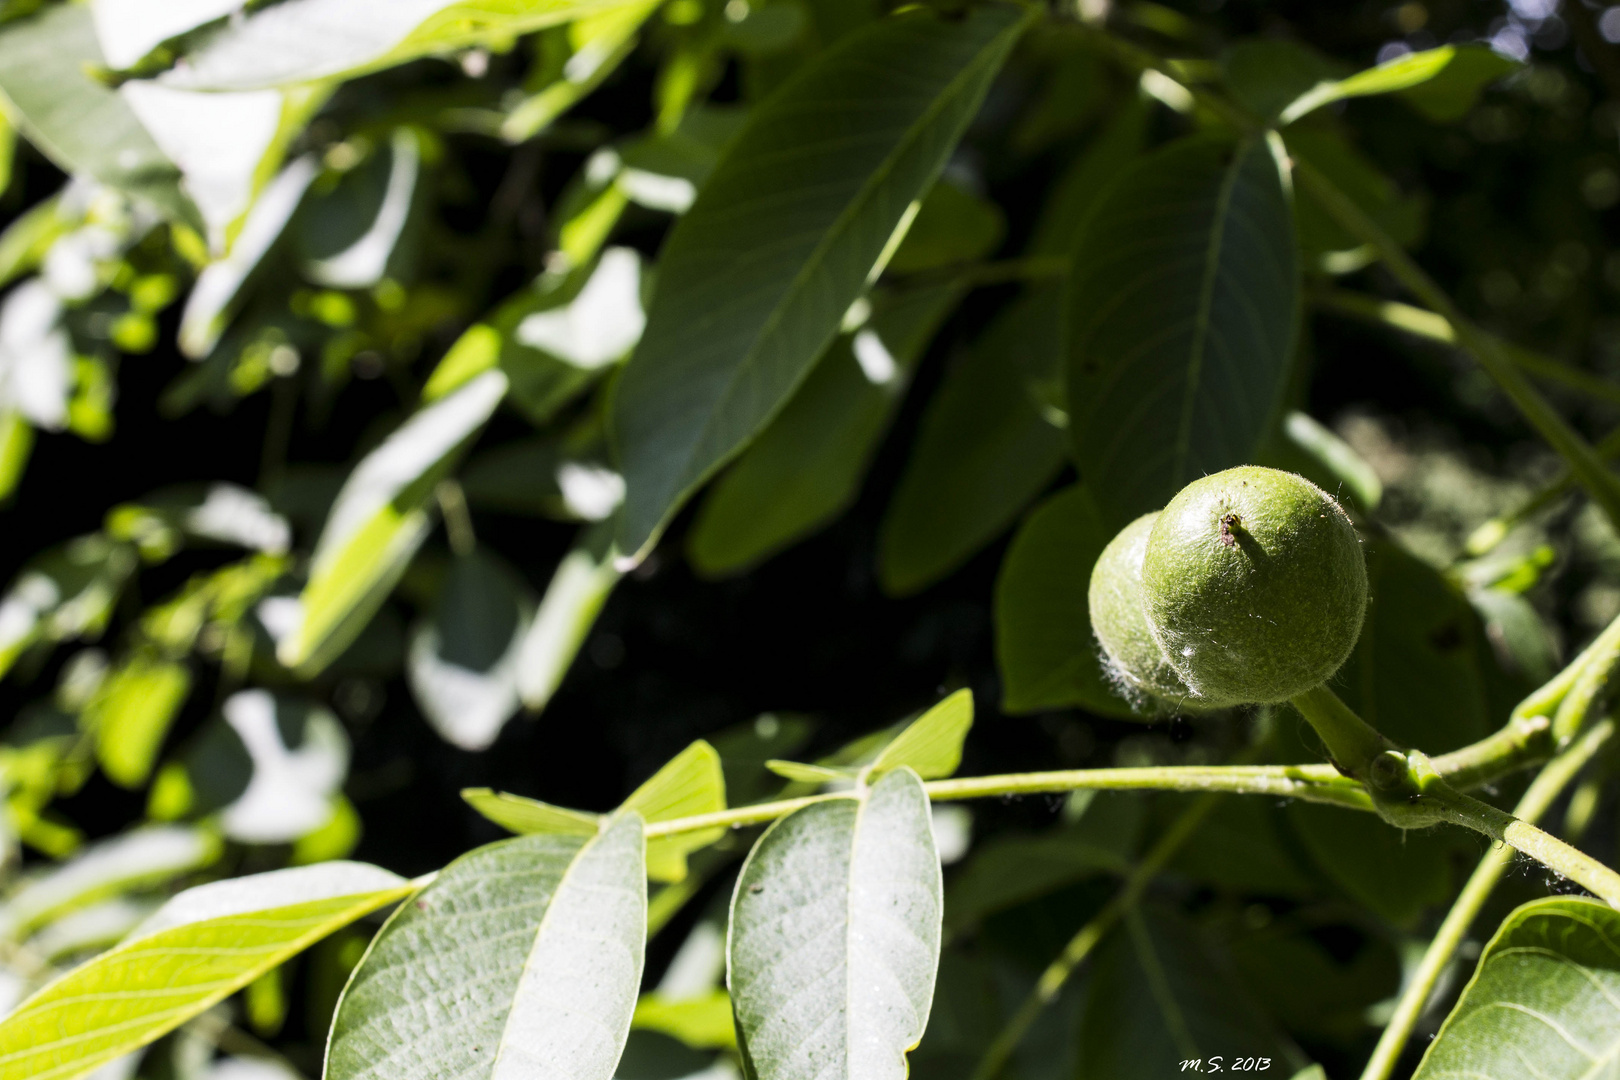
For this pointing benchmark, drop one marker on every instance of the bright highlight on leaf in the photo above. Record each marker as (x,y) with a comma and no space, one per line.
(835,937)
(197,950)
(522,959)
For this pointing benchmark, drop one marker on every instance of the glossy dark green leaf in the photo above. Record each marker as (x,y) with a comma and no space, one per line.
(522,956)
(806,468)
(835,937)
(1398,875)
(1269,74)
(1157,998)
(1045,650)
(1242,848)
(1322,239)
(952,226)
(757,276)
(983,452)
(1182,312)
(1544,1002)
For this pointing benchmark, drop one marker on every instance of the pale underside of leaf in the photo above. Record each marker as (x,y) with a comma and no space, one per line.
(522,959)
(835,937)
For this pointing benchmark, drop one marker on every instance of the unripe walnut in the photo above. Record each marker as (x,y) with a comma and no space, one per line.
(1136,665)
(1254,585)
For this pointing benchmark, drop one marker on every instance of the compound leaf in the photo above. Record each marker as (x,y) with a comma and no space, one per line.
(1544,1002)
(1184,302)
(931,745)
(757,276)
(198,949)
(835,937)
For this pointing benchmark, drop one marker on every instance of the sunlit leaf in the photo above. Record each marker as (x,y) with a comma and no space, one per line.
(300,41)
(1045,650)
(298,756)
(1544,1002)
(579,587)
(197,950)
(379,519)
(463,660)
(526,816)
(807,466)
(701,1022)
(1183,309)
(983,452)
(802,773)
(137,860)
(83,125)
(597,45)
(36,356)
(131,714)
(756,277)
(690,784)
(1447,80)
(835,936)
(522,957)
(350,237)
(931,745)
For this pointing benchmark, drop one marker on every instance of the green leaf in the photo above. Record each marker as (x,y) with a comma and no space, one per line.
(351,235)
(79,123)
(1157,998)
(65,593)
(835,936)
(1544,1002)
(1240,848)
(756,277)
(379,520)
(1011,869)
(806,468)
(1267,75)
(1321,238)
(198,949)
(132,712)
(463,661)
(702,1022)
(1045,650)
(1313,450)
(137,860)
(578,589)
(931,745)
(690,784)
(1422,670)
(526,816)
(522,957)
(1444,82)
(596,46)
(1399,875)
(301,41)
(1183,310)
(801,773)
(983,452)
(1314,992)
(952,226)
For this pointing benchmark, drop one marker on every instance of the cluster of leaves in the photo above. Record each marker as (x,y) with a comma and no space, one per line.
(720,308)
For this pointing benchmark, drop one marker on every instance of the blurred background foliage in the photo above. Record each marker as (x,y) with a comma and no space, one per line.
(220,325)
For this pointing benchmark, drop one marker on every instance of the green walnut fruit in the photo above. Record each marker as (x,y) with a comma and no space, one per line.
(1254,585)
(1136,665)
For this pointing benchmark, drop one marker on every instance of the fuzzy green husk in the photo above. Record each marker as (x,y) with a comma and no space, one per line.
(1270,615)
(1136,666)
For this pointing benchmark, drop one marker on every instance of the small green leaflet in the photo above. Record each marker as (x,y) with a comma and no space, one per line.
(80,124)
(1544,1002)
(131,714)
(691,783)
(931,745)
(1442,82)
(379,520)
(299,41)
(198,949)
(1183,306)
(802,773)
(522,959)
(835,937)
(757,276)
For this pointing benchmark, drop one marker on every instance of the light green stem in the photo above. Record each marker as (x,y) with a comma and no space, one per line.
(1593,670)
(1310,783)
(1585,462)
(1096,928)
(1350,740)
(1427,324)
(1558,774)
